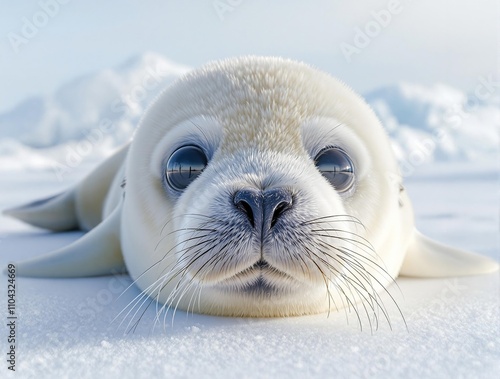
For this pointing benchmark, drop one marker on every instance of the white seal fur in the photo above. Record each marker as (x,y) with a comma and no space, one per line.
(261,123)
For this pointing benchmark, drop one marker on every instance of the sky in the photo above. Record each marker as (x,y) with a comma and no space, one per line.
(367,44)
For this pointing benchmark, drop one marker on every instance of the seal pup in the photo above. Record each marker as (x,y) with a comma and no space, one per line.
(253,186)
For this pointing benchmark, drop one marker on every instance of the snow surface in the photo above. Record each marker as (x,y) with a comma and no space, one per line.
(66,329)
(448,152)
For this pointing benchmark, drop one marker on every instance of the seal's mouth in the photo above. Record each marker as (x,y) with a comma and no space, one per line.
(260,278)
(261,264)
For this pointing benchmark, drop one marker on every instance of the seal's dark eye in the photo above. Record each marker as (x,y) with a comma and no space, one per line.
(184,166)
(337,167)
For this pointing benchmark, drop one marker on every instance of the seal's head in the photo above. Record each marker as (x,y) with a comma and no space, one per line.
(252,187)
(262,187)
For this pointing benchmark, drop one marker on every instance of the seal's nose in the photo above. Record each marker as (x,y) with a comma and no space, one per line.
(263,208)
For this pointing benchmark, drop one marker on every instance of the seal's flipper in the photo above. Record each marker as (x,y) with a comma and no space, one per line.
(80,207)
(56,213)
(430,259)
(97,253)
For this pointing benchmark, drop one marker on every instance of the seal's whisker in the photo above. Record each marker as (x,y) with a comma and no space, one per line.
(187,251)
(149,291)
(351,305)
(357,281)
(325,278)
(366,296)
(157,288)
(338,275)
(146,290)
(179,291)
(171,296)
(152,266)
(205,244)
(370,297)
(333,218)
(356,256)
(192,215)
(357,266)
(349,240)
(374,264)
(366,243)
(386,290)
(148,299)
(202,250)
(133,303)
(183,241)
(367,276)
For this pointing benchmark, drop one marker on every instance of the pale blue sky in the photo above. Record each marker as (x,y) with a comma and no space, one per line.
(425,41)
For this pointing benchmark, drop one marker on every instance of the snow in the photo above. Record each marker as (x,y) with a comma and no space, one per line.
(439,122)
(66,327)
(71,327)
(97,112)
(111,101)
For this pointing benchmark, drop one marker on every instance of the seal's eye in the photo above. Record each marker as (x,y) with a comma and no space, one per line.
(337,167)
(184,166)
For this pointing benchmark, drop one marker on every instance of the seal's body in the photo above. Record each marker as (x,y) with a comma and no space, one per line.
(252,187)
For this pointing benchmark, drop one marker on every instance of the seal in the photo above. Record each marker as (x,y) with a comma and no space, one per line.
(253,186)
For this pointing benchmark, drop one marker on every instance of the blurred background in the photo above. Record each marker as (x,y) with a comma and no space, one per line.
(79,74)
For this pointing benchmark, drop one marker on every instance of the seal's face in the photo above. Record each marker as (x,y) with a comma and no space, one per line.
(253,187)
(264,194)
(260,227)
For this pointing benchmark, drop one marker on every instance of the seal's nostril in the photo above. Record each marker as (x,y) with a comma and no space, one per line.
(249,202)
(276,202)
(279,210)
(243,206)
